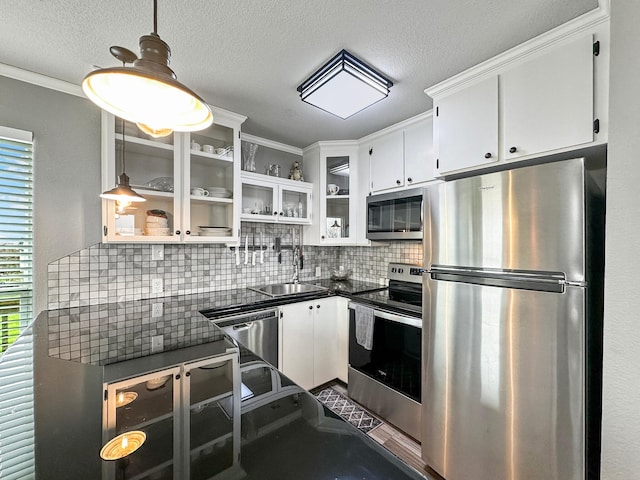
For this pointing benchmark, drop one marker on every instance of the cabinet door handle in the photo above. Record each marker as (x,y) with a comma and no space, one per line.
(322,237)
(177,232)
(188,232)
(280,213)
(310,307)
(487,155)
(513,150)
(188,374)
(398,182)
(275,213)
(409,179)
(317,306)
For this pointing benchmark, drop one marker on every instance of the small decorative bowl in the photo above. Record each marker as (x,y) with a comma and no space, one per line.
(340,274)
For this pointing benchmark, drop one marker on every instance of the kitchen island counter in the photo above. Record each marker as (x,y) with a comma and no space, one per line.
(284,432)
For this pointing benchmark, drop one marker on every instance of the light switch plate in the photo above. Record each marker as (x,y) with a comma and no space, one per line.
(318,272)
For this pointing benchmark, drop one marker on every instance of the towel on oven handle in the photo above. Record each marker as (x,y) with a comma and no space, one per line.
(364,326)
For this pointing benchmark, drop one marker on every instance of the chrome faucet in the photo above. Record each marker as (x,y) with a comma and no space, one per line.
(296,257)
(296,265)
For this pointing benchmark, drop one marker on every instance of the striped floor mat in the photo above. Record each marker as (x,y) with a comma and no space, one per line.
(348,410)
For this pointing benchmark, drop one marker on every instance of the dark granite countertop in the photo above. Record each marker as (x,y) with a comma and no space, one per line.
(283,431)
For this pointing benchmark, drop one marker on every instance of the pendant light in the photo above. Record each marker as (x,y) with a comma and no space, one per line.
(122,193)
(148,92)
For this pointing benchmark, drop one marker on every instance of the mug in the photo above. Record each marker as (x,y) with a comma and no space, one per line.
(199,192)
(208,148)
(333,189)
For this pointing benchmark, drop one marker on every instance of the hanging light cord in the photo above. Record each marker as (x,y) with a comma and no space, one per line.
(155,16)
(123,166)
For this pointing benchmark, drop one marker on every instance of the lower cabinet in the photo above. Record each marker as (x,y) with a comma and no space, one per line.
(313,342)
(189,413)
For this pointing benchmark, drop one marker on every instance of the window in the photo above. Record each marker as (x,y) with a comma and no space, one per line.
(16,233)
(16,310)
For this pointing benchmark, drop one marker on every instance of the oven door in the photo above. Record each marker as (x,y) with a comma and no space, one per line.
(395,356)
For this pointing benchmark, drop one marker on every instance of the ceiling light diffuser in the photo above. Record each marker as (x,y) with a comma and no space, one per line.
(344,86)
(148,92)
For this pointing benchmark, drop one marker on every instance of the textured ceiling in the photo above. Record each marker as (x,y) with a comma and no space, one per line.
(248,56)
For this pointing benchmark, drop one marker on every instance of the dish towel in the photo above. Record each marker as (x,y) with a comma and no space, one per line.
(364,326)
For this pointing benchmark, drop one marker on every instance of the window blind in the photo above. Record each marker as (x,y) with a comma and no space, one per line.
(16,305)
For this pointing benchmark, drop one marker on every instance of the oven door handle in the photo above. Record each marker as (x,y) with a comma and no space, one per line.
(394,317)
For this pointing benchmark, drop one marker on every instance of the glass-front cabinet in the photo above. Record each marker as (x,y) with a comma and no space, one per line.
(190,182)
(189,415)
(269,199)
(333,166)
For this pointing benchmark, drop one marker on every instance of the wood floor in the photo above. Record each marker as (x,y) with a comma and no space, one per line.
(397,442)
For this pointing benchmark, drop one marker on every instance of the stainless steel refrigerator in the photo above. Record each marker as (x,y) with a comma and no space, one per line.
(512,333)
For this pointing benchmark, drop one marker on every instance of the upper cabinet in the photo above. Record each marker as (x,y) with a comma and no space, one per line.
(466,127)
(401,156)
(269,199)
(548,101)
(273,183)
(544,97)
(333,168)
(190,182)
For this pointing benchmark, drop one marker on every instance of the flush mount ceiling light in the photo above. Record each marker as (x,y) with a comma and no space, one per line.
(344,86)
(148,92)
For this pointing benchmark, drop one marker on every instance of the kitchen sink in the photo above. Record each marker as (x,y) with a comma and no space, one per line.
(283,289)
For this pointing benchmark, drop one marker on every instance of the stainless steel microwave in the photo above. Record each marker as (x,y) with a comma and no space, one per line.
(396,215)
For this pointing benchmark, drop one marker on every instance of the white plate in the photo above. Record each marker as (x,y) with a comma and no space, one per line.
(215,234)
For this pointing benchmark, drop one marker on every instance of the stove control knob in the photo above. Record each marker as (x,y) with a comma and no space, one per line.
(400,270)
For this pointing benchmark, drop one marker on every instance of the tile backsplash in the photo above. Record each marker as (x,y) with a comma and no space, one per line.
(106,273)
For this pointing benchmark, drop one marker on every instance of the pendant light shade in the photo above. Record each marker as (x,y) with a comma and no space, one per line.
(122,193)
(148,92)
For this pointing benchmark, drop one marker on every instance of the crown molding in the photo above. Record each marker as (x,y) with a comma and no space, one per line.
(41,80)
(582,24)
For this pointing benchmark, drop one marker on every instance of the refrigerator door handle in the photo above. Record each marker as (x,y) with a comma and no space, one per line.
(524,279)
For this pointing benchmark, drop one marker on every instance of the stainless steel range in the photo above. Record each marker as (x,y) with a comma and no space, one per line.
(385,348)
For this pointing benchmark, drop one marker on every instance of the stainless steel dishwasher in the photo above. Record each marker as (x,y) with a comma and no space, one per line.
(256,330)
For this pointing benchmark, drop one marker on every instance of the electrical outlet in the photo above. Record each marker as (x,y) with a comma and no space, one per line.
(157,252)
(157,309)
(157,343)
(318,272)
(156,285)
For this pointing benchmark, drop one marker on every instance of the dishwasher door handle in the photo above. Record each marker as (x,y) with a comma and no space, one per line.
(243,326)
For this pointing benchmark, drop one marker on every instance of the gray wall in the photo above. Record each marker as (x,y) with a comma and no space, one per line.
(621,390)
(67,214)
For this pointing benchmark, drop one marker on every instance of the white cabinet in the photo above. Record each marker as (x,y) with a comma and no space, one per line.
(402,156)
(386,154)
(419,155)
(165,171)
(308,347)
(342,329)
(333,168)
(270,199)
(536,101)
(466,127)
(548,101)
